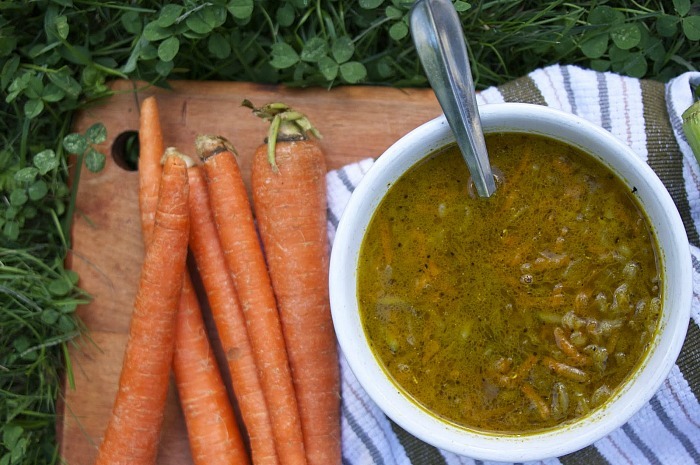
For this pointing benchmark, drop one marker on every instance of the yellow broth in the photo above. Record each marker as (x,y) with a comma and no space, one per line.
(518,312)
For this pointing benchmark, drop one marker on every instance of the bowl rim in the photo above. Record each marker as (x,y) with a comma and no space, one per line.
(556,442)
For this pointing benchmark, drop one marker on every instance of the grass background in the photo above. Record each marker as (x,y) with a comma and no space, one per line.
(57,55)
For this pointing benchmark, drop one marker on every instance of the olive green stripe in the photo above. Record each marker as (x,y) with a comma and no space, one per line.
(664,155)
(417,451)
(688,359)
(523,90)
(587,456)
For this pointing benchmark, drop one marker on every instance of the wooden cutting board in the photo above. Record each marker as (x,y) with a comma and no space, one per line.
(356,122)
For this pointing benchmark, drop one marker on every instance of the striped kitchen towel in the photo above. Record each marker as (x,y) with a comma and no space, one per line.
(646,116)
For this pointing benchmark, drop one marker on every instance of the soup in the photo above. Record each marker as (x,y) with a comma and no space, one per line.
(518,312)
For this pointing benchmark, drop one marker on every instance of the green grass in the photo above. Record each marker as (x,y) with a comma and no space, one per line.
(56,56)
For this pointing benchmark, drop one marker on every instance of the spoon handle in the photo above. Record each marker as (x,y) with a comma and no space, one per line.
(437,34)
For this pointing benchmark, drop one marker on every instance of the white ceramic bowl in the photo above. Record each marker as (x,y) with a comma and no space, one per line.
(677,290)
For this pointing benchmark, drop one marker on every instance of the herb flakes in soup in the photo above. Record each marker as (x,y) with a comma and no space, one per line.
(517,312)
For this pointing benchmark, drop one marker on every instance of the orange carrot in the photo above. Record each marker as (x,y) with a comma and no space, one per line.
(289,199)
(133,431)
(213,433)
(245,261)
(230,321)
(537,401)
(151,148)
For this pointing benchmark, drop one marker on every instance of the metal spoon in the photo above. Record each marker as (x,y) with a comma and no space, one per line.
(437,34)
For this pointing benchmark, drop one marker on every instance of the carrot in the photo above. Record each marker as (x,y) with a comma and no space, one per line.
(230,322)
(537,401)
(565,370)
(213,433)
(289,199)
(245,261)
(133,430)
(151,148)
(569,349)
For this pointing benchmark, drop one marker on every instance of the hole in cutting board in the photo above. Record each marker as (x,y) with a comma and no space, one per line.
(125,150)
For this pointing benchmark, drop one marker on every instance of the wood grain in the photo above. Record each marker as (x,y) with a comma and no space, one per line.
(356,123)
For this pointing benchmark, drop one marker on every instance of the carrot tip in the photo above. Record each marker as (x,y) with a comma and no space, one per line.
(173,152)
(208,146)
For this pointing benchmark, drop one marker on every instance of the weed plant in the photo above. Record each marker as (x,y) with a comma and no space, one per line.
(58,55)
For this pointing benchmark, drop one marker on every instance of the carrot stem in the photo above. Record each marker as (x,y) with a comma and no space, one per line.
(285,125)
